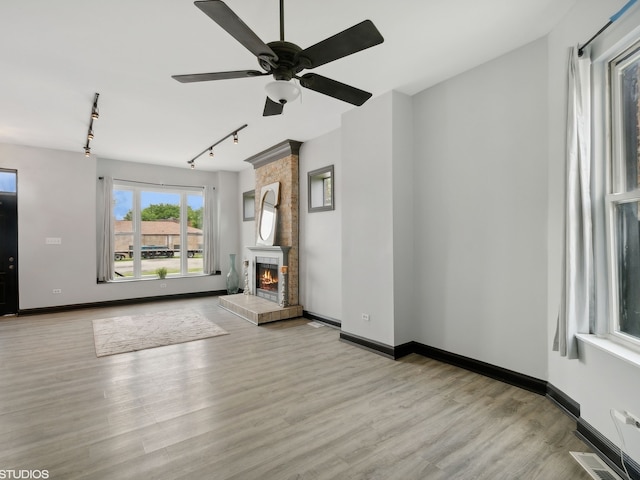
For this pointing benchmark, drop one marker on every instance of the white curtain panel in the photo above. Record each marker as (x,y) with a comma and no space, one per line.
(106,250)
(576,312)
(209,223)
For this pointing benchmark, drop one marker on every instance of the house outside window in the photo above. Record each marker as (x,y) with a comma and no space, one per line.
(157,228)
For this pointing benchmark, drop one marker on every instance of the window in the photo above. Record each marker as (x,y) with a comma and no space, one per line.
(249,205)
(320,189)
(623,198)
(157,228)
(8,182)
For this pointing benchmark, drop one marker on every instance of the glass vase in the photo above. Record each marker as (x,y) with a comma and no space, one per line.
(233,279)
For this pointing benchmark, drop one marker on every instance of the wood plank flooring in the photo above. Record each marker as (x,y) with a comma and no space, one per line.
(282,401)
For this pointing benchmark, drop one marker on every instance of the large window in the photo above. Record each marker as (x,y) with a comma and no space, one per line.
(157,231)
(623,199)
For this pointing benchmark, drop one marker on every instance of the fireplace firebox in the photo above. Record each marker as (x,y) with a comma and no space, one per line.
(265,274)
(267,278)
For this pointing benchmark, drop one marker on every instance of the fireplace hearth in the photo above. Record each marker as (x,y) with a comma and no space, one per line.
(266,277)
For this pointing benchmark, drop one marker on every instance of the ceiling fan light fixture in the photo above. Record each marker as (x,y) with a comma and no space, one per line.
(282,91)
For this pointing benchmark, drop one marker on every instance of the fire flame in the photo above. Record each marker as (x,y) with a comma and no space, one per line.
(267,279)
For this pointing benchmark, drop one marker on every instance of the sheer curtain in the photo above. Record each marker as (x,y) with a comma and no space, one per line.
(576,313)
(209,222)
(105,235)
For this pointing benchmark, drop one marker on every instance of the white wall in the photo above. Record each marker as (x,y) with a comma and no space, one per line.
(321,232)
(598,381)
(57,198)
(480,212)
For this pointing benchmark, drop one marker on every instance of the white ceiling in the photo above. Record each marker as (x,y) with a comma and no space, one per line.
(55,54)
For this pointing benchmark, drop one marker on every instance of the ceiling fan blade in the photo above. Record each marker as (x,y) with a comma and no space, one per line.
(272,108)
(205,77)
(352,40)
(334,89)
(220,13)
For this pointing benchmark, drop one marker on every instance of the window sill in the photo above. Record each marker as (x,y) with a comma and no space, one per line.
(612,347)
(150,279)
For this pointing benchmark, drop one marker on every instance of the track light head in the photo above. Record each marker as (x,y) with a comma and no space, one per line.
(90,135)
(87,152)
(211,151)
(94,114)
(193,165)
(235,138)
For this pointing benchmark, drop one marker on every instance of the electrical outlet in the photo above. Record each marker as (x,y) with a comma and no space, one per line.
(163,285)
(620,416)
(56,290)
(53,241)
(632,419)
(365,317)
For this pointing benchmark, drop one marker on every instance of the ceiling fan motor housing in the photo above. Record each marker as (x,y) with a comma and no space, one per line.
(289,61)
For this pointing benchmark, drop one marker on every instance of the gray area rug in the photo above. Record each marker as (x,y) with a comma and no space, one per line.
(138,332)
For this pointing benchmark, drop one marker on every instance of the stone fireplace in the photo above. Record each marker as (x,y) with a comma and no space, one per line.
(265,276)
(268,285)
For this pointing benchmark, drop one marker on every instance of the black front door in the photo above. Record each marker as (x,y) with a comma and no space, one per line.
(8,242)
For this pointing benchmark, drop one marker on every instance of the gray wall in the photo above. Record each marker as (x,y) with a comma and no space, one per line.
(57,198)
(598,381)
(246,182)
(480,212)
(367,220)
(321,232)
(447,228)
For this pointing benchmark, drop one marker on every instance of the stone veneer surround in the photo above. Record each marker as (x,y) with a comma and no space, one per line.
(280,164)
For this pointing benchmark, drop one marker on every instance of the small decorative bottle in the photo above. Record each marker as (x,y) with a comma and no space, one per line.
(232,277)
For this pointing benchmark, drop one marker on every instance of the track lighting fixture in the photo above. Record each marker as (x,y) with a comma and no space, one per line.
(193,165)
(233,134)
(94,115)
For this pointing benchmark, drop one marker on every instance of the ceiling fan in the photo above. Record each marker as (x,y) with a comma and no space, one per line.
(284,60)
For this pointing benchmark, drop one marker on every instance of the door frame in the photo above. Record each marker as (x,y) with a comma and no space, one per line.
(9,251)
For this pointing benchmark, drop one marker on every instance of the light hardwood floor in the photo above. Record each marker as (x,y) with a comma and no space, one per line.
(282,401)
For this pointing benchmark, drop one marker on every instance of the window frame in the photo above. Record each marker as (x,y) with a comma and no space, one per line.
(137,189)
(613,182)
(317,182)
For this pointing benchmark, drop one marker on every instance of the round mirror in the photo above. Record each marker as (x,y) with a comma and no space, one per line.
(267,218)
